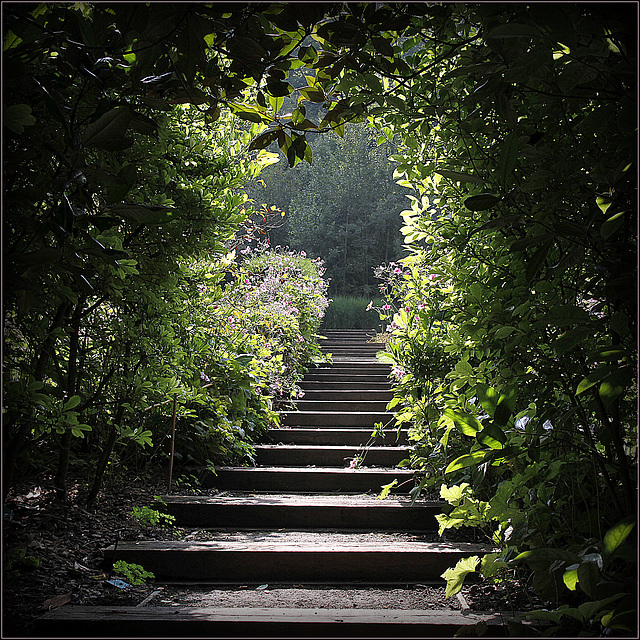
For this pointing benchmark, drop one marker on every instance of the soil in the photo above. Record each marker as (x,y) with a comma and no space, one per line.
(65,542)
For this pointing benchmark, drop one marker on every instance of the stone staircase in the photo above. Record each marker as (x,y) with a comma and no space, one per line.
(314,491)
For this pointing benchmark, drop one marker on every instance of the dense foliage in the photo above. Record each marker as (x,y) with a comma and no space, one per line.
(119,204)
(514,332)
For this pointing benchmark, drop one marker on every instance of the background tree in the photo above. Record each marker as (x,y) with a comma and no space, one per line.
(344,207)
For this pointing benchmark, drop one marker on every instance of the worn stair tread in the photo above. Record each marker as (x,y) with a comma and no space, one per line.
(357,547)
(363,501)
(361,471)
(369,618)
(343,448)
(358,436)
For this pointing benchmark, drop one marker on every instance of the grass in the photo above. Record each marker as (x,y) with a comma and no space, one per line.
(347,312)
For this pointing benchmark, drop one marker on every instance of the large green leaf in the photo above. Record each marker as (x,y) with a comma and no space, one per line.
(482,202)
(465,422)
(107,132)
(615,384)
(616,535)
(537,260)
(467,460)
(594,378)
(455,575)
(492,436)
(542,558)
(143,213)
(460,177)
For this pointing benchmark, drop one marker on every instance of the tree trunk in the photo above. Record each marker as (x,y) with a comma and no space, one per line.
(60,481)
(101,465)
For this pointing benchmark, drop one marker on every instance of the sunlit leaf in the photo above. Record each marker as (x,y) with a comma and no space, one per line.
(455,576)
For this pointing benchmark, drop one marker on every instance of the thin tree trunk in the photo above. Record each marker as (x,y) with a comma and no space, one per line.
(72,385)
(101,466)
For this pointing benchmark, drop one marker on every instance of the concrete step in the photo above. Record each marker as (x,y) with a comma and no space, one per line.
(334,436)
(289,511)
(365,406)
(297,455)
(334,419)
(308,479)
(262,561)
(349,394)
(209,622)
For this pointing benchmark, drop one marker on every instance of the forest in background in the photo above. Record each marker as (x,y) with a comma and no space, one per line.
(345,207)
(131,131)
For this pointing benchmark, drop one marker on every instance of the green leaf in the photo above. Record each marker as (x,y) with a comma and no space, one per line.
(570,577)
(491,565)
(313,94)
(467,460)
(594,377)
(612,224)
(72,403)
(143,213)
(466,423)
(566,314)
(263,140)
(617,534)
(620,323)
(454,494)
(603,203)
(588,577)
(615,384)
(506,405)
(488,398)
(492,436)
(459,177)
(571,339)
(386,488)
(481,202)
(279,89)
(508,156)
(537,260)
(17,117)
(108,130)
(455,576)
(542,558)
(251,116)
(503,332)
(276,103)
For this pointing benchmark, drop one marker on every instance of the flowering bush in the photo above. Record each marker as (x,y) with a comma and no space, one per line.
(253,337)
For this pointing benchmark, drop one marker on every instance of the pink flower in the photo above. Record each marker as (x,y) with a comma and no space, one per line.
(369,306)
(421,306)
(397,270)
(386,307)
(398,372)
(353,464)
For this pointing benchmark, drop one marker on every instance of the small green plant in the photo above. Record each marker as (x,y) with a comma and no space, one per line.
(17,561)
(132,573)
(148,516)
(189,483)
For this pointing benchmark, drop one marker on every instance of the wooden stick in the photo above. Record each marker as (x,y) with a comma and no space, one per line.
(173,440)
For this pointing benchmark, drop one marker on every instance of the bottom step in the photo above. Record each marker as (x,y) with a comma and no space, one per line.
(86,622)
